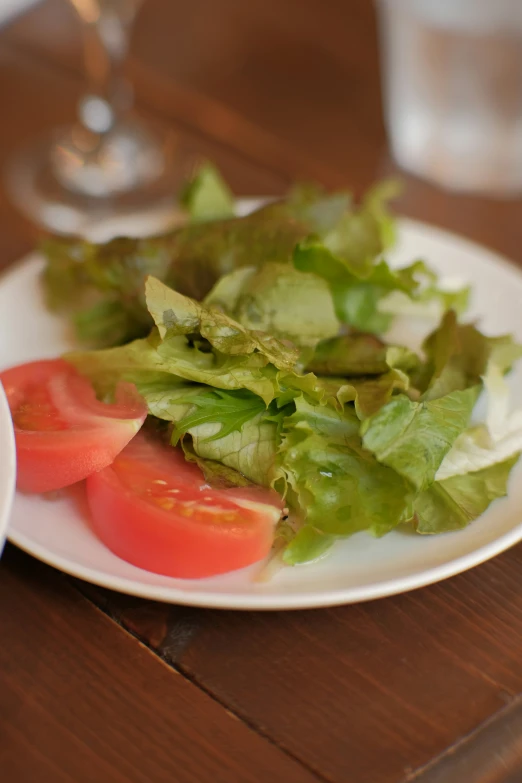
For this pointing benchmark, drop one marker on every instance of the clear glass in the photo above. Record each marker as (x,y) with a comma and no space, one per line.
(452,80)
(108,164)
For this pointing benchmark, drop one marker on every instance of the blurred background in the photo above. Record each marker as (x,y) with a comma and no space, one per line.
(271,90)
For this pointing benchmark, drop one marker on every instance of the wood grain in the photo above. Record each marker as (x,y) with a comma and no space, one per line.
(370,692)
(491,754)
(409,675)
(81,701)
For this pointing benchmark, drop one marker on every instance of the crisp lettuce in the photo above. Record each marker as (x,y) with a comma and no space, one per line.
(414,437)
(363,233)
(228,409)
(207,196)
(369,395)
(101,285)
(153,359)
(216,474)
(251,450)
(170,399)
(138,362)
(453,503)
(82,279)
(340,486)
(175,314)
(173,360)
(367,292)
(498,439)
(359,282)
(360,354)
(280,300)
(202,344)
(458,355)
(226,292)
(306,545)
(430,303)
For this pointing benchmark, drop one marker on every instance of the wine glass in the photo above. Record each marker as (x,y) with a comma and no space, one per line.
(108,164)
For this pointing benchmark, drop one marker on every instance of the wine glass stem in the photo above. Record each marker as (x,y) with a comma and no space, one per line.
(106,31)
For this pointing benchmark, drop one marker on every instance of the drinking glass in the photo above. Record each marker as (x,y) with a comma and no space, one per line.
(109,163)
(452,79)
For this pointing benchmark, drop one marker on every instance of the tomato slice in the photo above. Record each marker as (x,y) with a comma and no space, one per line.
(63,433)
(155,510)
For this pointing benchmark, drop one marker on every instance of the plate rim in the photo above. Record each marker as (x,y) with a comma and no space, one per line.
(7,481)
(289,602)
(301,600)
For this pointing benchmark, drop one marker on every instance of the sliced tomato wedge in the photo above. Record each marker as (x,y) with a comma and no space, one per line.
(63,433)
(155,510)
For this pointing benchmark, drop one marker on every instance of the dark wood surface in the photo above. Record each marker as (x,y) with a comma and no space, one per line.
(84,701)
(96,686)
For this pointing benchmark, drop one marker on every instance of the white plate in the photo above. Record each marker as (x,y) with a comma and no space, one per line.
(360,568)
(7,466)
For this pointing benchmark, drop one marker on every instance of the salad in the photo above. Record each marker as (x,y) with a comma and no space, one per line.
(239,392)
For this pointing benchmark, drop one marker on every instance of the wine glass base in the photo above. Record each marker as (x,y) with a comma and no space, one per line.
(36,191)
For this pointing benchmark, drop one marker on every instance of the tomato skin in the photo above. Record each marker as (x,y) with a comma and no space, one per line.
(137,529)
(39,471)
(74,434)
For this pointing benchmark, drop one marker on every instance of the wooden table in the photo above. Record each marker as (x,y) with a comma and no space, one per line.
(98,687)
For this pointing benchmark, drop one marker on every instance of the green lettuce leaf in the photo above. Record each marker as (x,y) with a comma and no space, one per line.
(458,356)
(82,276)
(137,362)
(371,394)
(105,323)
(207,196)
(414,437)
(358,306)
(376,202)
(175,314)
(153,359)
(453,503)
(340,487)
(360,354)
(216,474)
(312,206)
(307,545)
(101,286)
(363,233)
(280,300)
(497,439)
(172,399)
(226,292)
(316,257)
(173,360)
(367,292)
(230,409)
(368,394)
(430,303)
(252,450)
(233,429)
(358,283)
(219,370)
